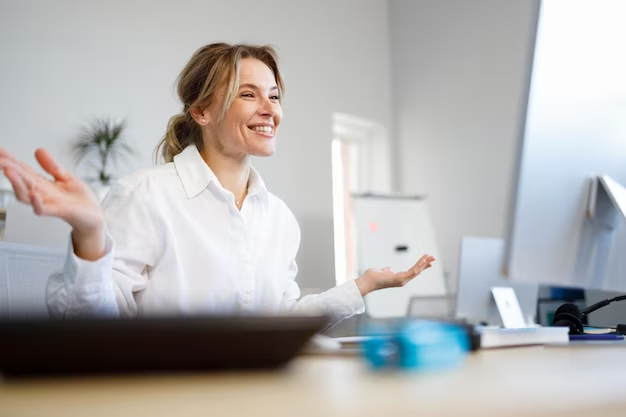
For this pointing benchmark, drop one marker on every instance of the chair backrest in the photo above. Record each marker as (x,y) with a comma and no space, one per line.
(480,261)
(24,273)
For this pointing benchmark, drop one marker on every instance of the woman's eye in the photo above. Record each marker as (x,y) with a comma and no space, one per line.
(275,97)
(247,95)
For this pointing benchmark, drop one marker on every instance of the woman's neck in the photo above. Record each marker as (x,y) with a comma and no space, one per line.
(232,173)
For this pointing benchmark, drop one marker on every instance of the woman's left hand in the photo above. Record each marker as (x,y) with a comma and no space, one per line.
(377,279)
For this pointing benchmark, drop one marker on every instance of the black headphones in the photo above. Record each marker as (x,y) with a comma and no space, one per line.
(569,315)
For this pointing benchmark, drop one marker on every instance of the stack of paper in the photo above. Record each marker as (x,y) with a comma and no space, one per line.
(491,337)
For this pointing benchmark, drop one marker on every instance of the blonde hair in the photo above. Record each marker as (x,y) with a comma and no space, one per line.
(210,68)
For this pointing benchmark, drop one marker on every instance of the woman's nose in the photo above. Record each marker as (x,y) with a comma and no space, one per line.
(267,107)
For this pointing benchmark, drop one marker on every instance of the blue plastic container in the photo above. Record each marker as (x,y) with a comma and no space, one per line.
(415,345)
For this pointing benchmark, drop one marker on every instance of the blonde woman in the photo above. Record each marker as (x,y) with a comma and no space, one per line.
(199,233)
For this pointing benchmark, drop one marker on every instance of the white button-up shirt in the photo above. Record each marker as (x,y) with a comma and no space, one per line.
(178,245)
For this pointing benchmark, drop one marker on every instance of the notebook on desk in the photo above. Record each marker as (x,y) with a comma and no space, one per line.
(37,347)
(491,337)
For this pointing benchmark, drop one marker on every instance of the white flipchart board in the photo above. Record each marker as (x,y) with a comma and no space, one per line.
(395,231)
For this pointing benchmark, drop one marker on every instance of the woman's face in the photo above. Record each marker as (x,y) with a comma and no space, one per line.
(249,126)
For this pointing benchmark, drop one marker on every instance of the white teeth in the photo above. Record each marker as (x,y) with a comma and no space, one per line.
(266,129)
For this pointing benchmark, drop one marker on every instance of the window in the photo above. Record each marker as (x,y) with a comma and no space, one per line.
(360,163)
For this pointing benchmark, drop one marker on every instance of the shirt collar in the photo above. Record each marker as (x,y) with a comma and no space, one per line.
(196,175)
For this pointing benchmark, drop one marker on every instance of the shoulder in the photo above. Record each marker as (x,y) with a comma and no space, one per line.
(147,179)
(145,187)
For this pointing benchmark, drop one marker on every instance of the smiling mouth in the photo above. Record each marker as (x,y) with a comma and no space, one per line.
(263,130)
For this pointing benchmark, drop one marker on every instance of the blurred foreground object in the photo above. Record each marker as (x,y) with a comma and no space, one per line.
(416,345)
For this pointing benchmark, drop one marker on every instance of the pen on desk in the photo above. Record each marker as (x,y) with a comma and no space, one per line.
(606,336)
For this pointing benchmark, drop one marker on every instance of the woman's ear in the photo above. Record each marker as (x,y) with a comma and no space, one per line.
(201,115)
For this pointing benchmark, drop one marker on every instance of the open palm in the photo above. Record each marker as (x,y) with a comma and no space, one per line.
(377,279)
(64,196)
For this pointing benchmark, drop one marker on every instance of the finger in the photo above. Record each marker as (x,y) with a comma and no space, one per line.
(422,260)
(386,269)
(26,173)
(50,165)
(419,265)
(429,260)
(36,201)
(19,186)
(404,277)
(7,161)
(5,154)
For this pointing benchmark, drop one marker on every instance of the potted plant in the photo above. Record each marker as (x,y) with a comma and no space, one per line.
(103,142)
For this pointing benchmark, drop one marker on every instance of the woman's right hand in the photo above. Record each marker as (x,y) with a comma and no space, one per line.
(65,197)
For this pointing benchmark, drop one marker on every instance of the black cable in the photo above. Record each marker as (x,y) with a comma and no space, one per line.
(601,304)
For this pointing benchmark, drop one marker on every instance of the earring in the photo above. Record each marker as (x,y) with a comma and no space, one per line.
(203,120)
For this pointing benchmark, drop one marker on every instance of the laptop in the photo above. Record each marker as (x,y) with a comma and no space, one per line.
(479,271)
(191,344)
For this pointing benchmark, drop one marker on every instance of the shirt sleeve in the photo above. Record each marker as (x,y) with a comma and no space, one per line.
(107,287)
(338,303)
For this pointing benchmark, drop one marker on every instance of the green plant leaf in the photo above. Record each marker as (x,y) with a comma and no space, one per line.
(102,140)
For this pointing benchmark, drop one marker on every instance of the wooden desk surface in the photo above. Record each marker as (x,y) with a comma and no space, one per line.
(532,381)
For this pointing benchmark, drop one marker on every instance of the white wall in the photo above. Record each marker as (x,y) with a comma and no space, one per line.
(66,61)
(458,71)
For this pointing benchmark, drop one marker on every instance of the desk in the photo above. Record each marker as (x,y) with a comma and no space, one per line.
(531,381)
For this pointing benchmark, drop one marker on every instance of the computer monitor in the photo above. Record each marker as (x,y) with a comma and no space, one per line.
(572,148)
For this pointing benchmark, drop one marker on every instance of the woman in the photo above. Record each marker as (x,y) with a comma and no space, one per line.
(200,233)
